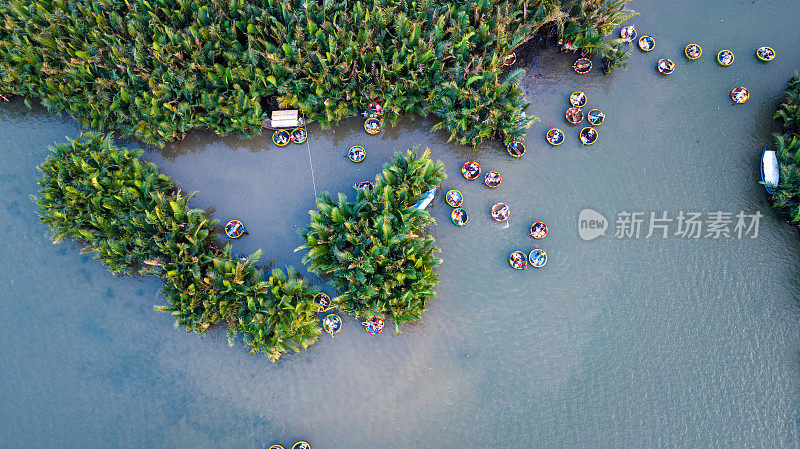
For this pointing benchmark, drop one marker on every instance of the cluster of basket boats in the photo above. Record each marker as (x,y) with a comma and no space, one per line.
(664,66)
(574,116)
(332,323)
(725,58)
(373,122)
(499,212)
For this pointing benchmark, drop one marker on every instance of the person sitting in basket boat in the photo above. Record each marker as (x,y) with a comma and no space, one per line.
(502,213)
(453,197)
(726,57)
(515,148)
(663,64)
(582,65)
(693,51)
(765,52)
(539,230)
(472,170)
(459,216)
(554,136)
(299,134)
(573,114)
(375,107)
(628,32)
(740,95)
(373,125)
(283,138)
(492,178)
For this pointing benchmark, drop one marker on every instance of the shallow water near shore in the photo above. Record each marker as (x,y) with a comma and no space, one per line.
(617,342)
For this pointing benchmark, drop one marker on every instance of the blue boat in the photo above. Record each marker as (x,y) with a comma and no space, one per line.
(423,203)
(770,173)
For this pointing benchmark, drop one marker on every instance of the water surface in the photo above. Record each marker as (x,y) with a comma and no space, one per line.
(615,343)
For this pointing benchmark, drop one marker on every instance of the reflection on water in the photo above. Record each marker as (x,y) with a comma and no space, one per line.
(615,343)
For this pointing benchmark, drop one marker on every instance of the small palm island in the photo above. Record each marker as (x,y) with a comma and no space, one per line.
(143,76)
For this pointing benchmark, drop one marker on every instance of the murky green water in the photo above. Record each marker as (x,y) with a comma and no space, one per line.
(615,343)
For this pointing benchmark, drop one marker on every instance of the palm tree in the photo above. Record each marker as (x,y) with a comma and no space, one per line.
(136,221)
(373,248)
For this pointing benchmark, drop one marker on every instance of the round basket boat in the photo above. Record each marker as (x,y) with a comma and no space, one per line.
(740,95)
(301,445)
(281,138)
(518,260)
(588,135)
(459,216)
(235,229)
(454,198)
(364,185)
(725,58)
(538,230)
(577,99)
(501,212)
(374,325)
(322,301)
(492,179)
(574,115)
(299,135)
(628,32)
(276,446)
(471,170)
(510,59)
(693,51)
(537,258)
(356,153)
(595,117)
(515,148)
(555,136)
(765,54)
(372,125)
(582,66)
(647,43)
(665,66)
(332,324)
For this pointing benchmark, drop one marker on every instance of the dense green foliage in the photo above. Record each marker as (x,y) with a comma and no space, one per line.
(786,196)
(156,69)
(373,248)
(136,221)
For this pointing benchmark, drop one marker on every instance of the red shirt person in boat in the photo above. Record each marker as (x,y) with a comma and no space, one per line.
(375,107)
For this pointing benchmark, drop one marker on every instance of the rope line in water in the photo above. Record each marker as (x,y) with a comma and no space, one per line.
(311,165)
